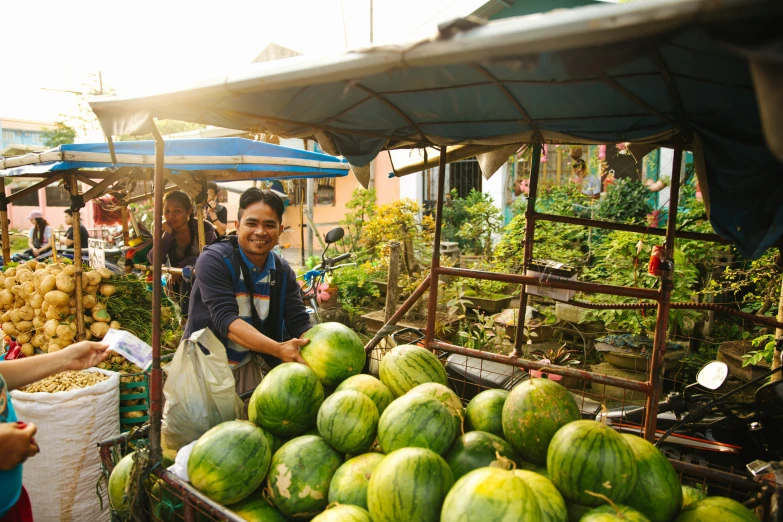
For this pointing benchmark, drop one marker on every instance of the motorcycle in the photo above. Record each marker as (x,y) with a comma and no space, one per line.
(314,279)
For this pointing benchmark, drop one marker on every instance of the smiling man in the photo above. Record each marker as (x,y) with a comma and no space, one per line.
(247,295)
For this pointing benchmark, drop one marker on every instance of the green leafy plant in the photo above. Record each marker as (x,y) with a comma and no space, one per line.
(557,356)
(765,354)
(484,219)
(357,291)
(361,208)
(625,201)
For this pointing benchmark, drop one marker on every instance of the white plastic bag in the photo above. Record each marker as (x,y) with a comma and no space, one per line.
(62,478)
(199,390)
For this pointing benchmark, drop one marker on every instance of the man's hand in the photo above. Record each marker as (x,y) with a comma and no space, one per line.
(85,354)
(16,444)
(289,350)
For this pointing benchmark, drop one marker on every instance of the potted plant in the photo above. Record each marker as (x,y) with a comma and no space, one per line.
(487,296)
(561,356)
(483,220)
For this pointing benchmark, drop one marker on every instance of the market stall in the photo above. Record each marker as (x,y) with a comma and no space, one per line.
(653,74)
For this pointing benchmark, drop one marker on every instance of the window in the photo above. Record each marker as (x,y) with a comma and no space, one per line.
(324,193)
(56,196)
(28,200)
(8,135)
(464,176)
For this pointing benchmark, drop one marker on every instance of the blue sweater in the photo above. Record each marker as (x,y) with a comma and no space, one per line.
(213,300)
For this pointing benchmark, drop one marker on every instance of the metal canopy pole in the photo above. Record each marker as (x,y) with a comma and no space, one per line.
(530,230)
(4,225)
(156,378)
(432,309)
(77,203)
(662,317)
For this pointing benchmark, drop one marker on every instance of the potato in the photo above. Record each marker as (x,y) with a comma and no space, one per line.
(28,349)
(40,266)
(88,301)
(72,310)
(99,306)
(28,289)
(27,313)
(39,339)
(53,313)
(24,277)
(108,290)
(6,297)
(38,322)
(69,269)
(115,325)
(101,315)
(9,282)
(99,329)
(105,272)
(64,310)
(50,328)
(38,312)
(9,329)
(57,298)
(2,279)
(65,282)
(54,346)
(24,326)
(36,300)
(11,272)
(15,317)
(95,277)
(91,289)
(23,337)
(5,317)
(64,332)
(48,284)
(88,335)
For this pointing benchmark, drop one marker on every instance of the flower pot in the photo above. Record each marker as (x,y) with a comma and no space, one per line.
(383,287)
(488,305)
(731,353)
(467,260)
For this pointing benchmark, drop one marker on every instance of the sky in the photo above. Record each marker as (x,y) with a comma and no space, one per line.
(150,45)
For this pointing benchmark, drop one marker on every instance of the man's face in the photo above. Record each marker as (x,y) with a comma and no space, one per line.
(68,219)
(259,229)
(211,196)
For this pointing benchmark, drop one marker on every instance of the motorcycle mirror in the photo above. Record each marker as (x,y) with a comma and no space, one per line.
(335,235)
(713,375)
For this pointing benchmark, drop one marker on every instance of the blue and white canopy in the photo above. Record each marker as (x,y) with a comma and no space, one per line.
(260,160)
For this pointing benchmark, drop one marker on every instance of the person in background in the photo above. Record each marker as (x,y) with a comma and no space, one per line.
(68,241)
(248,296)
(217,214)
(180,242)
(17,442)
(39,240)
(591,184)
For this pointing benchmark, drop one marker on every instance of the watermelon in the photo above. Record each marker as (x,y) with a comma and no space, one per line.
(299,476)
(479,449)
(490,495)
(334,352)
(409,484)
(587,455)
(532,413)
(416,421)
(449,399)
(287,400)
(550,501)
(348,421)
(344,513)
(691,495)
(658,493)
(229,461)
(256,508)
(371,387)
(118,481)
(714,509)
(165,504)
(273,441)
(485,412)
(406,366)
(618,512)
(350,481)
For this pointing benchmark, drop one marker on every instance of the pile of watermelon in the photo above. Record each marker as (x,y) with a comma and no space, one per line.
(403,448)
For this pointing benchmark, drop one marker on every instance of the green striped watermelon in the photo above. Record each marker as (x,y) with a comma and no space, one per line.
(229,461)
(344,513)
(449,399)
(409,485)
(350,481)
(490,495)
(334,352)
(532,413)
(691,495)
(299,476)
(658,493)
(348,421)
(406,366)
(371,387)
(587,455)
(485,412)
(287,400)
(550,501)
(118,481)
(479,449)
(256,508)
(416,421)
(714,509)
(618,512)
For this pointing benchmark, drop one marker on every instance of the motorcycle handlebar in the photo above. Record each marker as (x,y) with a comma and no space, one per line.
(341,257)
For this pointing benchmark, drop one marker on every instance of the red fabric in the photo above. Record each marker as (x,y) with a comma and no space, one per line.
(101,216)
(22,510)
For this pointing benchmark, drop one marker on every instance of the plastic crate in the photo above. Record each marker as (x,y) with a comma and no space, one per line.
(134,397)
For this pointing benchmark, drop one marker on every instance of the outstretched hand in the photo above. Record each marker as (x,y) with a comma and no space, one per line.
(85,354)
(289,350)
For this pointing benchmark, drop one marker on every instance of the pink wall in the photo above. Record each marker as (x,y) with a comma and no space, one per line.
(54,215)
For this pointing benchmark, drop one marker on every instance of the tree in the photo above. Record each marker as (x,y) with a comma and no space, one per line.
(61,134)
